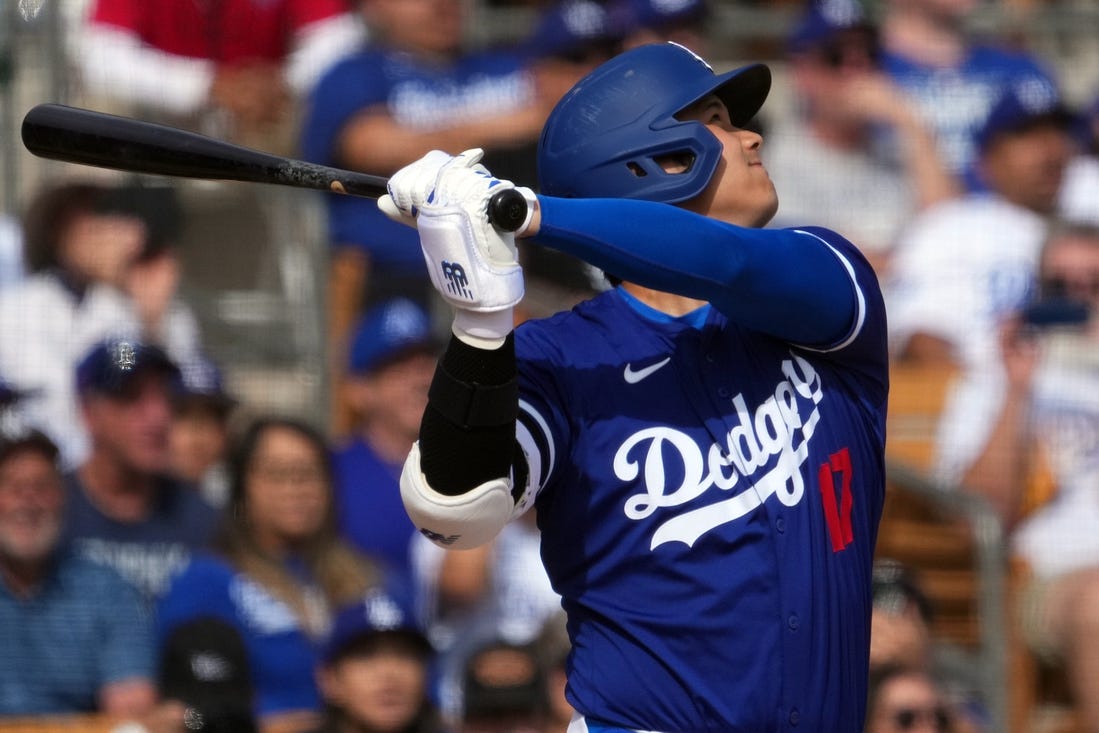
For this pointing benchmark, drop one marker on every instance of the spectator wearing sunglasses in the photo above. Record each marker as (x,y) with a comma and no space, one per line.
(907,700)
(827,156)
(900,624)
(1040,465)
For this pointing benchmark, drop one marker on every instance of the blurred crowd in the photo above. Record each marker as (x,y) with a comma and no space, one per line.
(174,557)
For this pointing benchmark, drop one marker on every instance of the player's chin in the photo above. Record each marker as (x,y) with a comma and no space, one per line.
(768,207)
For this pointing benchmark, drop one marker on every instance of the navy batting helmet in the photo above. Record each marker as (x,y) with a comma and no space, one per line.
(606,135)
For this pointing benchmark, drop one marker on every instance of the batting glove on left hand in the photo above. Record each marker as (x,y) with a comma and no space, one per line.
(410,187)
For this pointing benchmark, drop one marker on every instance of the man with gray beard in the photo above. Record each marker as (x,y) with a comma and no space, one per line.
(75,635)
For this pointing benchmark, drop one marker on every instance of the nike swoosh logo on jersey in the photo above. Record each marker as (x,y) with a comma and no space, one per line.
(634,376)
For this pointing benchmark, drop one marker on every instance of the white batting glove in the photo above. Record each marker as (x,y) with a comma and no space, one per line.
(410,186)
(473,266)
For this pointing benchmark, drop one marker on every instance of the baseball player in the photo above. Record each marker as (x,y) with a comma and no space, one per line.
(703,443)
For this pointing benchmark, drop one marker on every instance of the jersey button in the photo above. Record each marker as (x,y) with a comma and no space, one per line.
(723,392)
(780,524)
(792,622)
(710,358)
(795,716)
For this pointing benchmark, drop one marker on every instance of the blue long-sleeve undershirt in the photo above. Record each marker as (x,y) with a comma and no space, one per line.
(782,282)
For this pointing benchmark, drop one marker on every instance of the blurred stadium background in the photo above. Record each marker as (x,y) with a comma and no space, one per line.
(256,278)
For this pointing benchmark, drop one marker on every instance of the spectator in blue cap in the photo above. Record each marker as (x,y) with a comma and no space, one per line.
(828,156)
(953,76)
(201,419)
(375,670)
(1025,145)
(653,21)
(577,30)
(391,361)
(125,508)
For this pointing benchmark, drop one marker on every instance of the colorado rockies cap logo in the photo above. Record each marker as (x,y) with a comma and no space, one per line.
(457,282)
(123,355)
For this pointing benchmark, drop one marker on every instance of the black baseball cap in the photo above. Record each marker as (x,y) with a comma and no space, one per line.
(112,366)
(503,679)
(204,665)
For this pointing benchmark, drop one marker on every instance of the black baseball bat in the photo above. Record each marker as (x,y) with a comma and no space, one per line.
(84,136)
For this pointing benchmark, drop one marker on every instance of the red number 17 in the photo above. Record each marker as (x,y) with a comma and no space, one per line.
(838,516)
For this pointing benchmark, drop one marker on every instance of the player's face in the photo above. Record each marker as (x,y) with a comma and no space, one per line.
(741,191)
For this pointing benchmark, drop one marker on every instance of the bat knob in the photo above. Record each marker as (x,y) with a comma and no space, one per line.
(507,210)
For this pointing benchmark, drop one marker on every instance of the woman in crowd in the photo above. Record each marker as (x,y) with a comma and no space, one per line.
(278,569)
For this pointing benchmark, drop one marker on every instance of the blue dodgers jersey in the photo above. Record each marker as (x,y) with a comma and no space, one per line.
(709,506)
(282,656)
(956,102)
(417,95)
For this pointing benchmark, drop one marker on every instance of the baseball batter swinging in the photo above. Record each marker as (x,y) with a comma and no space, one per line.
(703,443)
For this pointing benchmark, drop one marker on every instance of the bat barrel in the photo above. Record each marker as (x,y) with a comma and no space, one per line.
(59,132)
(102,140)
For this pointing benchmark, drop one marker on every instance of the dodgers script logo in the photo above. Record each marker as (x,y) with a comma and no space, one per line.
(782,426)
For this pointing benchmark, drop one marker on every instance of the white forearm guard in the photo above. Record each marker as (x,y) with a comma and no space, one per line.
(455,522)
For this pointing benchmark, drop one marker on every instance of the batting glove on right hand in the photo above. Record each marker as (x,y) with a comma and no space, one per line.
(473,266)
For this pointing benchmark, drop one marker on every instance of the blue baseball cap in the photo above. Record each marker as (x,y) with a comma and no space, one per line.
(380,611)
(570,26)
(201,382)
(658,14)
(389,331)
(824,20)
(1023,106)
(112,366)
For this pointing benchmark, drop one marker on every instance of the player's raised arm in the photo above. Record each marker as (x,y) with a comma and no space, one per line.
(797,285)
(457,484)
